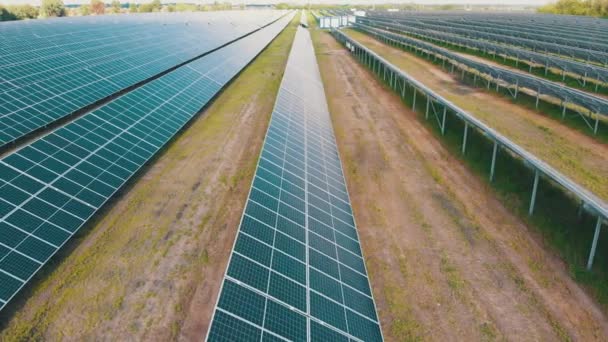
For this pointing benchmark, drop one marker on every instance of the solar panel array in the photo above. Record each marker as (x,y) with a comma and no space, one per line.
(296,271)
(592,103)
(47,74)
(585,70)
(568,48)
(51,187)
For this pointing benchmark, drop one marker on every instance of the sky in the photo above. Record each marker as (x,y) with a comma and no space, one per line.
(428,2)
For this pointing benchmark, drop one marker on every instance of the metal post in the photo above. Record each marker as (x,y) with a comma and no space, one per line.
(428,103)
(533,199)
(475,79)
(493,161)
(414,101)
(516,89)
(445,109)
(597,123)
(598,225)
(585,79)
(537,98)
(563,109)
(579,212)
(464,138)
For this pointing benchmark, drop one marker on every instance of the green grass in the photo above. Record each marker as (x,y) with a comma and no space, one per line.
(556,212)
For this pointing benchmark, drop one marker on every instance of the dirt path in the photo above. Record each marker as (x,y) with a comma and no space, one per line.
(151,268)
(575,154)
(446,259)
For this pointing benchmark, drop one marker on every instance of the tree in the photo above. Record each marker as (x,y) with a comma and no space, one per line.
(153,6)
(132,8)
(577,7)
(6,15)
(116,6)
(145,8)
(52,8)
(183,7)
(84,9)
(98,7)
(23,11)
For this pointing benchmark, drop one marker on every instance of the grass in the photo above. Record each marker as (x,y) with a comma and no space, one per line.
(90,280)
(455,282)
(556,215)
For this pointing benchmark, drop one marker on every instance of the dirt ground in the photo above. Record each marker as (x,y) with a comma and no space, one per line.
(151,268)
(446,260)
(578,156)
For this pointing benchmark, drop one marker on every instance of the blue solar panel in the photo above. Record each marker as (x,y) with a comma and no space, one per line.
(51,187)
(52,69)
(296,271)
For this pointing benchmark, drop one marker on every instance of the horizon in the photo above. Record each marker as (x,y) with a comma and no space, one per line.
(506,3)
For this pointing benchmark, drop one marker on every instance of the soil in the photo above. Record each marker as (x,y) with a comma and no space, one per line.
(447,260)
(575,154)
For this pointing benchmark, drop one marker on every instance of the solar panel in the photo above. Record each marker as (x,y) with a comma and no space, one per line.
(296,271)
(51,187)
(47,76)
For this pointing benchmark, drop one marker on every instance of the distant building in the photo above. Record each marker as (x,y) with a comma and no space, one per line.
(259,6)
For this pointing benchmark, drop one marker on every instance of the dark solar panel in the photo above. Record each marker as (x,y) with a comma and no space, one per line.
(50,70)
(296,271)
(51,187)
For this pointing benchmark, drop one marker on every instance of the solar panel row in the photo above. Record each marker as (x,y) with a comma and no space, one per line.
(296,271)
(51,187)
(45,79)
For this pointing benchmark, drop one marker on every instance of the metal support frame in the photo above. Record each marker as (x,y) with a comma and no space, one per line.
(596,236)
(492,166)
(464,137)
(534,188)
(445,110)
(414,100)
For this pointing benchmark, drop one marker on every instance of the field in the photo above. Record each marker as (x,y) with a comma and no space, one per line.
(246,219)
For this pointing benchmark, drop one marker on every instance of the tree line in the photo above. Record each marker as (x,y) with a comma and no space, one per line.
(56,8)
(597,8)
